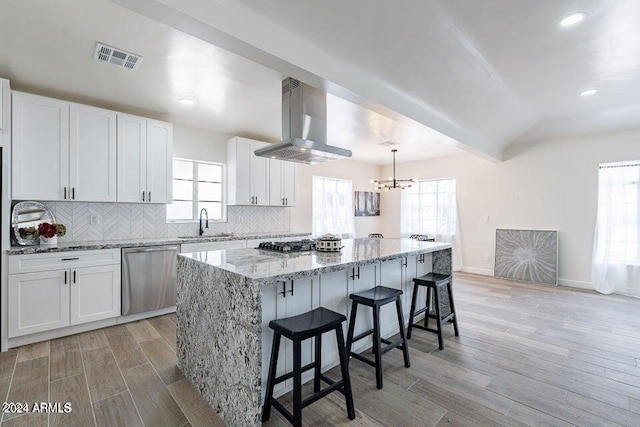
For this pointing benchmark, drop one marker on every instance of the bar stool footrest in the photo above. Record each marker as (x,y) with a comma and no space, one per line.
(424,328)
(336,386)
(391,346)
(288,375)
(447,318)
(363,359)
(362,335)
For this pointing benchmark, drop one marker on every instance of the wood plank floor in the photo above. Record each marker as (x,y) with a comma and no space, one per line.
(527,355)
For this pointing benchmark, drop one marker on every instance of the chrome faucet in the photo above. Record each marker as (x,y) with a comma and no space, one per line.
(207,221)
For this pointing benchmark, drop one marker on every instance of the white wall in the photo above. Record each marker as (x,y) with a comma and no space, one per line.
(550,185)
(359,173)
(198,144)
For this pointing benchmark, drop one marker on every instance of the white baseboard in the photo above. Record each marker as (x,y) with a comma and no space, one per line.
(561,282)
(474,270)
(575,284)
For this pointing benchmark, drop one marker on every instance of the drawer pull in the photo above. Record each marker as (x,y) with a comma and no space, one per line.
(65,277)
(70,259)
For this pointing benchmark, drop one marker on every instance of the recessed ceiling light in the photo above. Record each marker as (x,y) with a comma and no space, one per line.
(588,92)
(186,101)
(572,19)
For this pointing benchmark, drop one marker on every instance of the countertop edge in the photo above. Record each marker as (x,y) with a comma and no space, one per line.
(107,244)
(265,281)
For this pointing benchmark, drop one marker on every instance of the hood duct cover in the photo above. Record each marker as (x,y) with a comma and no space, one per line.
(304,127)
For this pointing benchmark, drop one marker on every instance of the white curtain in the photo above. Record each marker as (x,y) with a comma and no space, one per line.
(430,207)
(616,258)
(333,207)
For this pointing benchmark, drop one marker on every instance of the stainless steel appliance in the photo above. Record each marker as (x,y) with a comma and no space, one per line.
(304,127)
(148,278)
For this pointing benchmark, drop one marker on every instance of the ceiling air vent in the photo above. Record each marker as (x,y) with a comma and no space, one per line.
(116,56)
(388,143)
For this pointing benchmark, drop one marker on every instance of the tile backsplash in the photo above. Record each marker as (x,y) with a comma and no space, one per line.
(131,221)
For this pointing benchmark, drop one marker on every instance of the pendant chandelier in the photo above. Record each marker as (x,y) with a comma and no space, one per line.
(392,182)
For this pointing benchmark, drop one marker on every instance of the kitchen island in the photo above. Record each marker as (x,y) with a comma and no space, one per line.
(225,300)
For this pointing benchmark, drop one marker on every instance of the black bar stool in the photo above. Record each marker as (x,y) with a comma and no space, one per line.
(376,298)
(434,282)
(299,328)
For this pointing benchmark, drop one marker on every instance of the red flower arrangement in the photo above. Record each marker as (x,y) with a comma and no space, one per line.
(49,230)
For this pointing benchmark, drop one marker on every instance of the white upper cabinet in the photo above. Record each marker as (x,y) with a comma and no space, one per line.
(62,151)
(248,174)
(40,159)
(92,154)
(144,160)
(132,155)
(282,183)
(65,151)
(159,161)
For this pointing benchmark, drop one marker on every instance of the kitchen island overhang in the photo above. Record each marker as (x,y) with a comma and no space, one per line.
(226,298)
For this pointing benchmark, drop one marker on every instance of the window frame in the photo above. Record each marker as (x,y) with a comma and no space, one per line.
(601,238)
(350,213)
(417,185)
(194,192)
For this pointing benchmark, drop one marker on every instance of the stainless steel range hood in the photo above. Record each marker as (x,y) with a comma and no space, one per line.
(304,127)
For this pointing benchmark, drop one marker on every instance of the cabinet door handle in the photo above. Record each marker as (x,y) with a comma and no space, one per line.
(74,276)
(65,193)
(149,196)
(65,277)
(286,202)
(355,275)
(283,200)
(73,193)
(405,262)
(144,194)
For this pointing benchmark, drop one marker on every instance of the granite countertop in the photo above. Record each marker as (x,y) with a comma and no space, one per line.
(268,266)
(128,243)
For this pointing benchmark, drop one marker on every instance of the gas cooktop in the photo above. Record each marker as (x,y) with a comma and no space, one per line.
(294,246)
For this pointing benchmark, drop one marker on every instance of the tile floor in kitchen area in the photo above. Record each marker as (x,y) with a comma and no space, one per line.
(527,355)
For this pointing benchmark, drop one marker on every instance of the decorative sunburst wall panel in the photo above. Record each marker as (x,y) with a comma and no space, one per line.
(527,255)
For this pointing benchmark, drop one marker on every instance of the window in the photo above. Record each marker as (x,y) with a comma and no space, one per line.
(429,207)
(332,207)
(196,185)
(618,213)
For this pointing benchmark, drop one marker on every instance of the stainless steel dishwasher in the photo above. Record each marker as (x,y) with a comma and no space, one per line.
(148,278)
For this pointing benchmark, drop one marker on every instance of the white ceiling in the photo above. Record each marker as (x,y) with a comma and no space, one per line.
(486,73)
(47,47)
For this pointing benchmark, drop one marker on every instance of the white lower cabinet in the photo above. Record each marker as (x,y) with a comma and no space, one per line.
(361,279)
(334,295)
(286,299)
(95,293)
(390,277)
(38,302)
(62,289)
(332,290)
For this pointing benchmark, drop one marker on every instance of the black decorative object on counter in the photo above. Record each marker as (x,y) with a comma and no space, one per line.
(293,246)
